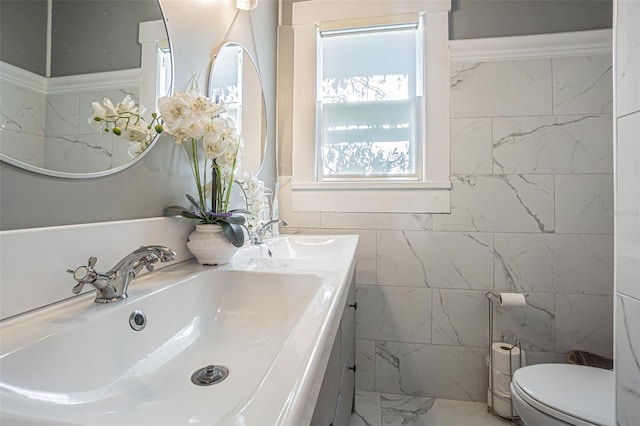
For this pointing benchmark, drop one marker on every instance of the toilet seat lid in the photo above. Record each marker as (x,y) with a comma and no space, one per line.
(585,393)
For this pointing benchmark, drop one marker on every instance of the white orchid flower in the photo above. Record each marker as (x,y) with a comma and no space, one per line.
(137,132)
(176,112)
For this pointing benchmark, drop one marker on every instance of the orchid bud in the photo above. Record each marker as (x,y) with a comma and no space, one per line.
(117,131)
(159,128)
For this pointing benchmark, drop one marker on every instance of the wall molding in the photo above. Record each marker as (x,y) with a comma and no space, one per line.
(577,43)
(22,78)
(68,84)
(95,81)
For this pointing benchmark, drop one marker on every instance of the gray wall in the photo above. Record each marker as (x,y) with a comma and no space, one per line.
(23,34)
(30,200)
(95,36)
(87,36)
(497,18)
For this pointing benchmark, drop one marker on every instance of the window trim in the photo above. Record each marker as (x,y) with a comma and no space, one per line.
(431,193)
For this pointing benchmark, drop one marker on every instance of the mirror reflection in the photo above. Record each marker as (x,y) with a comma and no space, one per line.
(235,80)
(54,62)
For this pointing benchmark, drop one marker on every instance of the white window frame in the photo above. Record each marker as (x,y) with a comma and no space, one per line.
(428,195)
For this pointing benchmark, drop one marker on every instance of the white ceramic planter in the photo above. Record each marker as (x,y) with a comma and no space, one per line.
(210,246)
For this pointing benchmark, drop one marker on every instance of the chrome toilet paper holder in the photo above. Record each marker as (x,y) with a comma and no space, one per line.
(490,407)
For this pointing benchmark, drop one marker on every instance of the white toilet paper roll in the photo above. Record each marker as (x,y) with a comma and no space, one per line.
(512,300)
(500,382)
(501,404)
(505,358)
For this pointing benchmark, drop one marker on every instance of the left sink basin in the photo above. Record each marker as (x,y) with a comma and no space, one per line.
(81,363)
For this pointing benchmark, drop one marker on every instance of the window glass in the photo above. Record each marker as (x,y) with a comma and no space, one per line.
(370,103)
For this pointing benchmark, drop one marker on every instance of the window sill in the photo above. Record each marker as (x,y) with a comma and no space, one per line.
(369,185)
(371,197)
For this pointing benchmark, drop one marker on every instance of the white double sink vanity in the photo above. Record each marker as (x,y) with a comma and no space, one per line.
(281,325)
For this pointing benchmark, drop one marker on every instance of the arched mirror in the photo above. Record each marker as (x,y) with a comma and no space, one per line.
(56,58)
(234,79)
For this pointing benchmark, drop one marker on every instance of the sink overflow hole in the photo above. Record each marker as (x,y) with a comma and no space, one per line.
(137,320)
(209,375)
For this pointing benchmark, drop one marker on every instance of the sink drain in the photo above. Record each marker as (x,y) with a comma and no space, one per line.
(209,375)
(137,320)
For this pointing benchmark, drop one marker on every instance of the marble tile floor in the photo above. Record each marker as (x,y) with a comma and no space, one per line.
(383,409)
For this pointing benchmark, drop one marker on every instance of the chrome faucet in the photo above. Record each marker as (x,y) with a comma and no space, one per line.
(258,234)
(112,286)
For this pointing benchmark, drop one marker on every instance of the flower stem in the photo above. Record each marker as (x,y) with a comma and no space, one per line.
(233,168)
(219,203)
(214,188)
(196,173)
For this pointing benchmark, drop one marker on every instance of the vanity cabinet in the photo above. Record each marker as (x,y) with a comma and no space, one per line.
(336,398)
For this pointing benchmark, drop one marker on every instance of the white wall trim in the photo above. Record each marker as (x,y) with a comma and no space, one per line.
(108,80)
(152,31)
(69,84)
(152,35)
(576,43)
(23,79)
(364,186)
(419,198)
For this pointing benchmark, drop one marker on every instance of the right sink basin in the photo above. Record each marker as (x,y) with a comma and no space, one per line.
(306,246)
(302,247)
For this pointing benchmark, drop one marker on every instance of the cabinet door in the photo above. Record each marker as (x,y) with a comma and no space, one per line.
(325,410)
(347,329)
(347,389)
(348,358)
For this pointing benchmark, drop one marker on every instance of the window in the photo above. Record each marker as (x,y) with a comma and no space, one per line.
(370,107)
(369,102)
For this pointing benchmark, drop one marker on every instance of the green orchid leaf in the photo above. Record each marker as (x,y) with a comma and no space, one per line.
(238,220)
(234,233)
(190,215)
(194,202)
(175,210)
(182,212)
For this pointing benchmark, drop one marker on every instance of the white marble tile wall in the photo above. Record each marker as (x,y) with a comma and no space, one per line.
(53,131)
(22,123)
(627,213)
(627,353)
(501,89)
(72,145)
(552,144)
(576,91)
(531,211)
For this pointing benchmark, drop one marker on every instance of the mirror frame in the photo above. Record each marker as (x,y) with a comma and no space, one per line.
(265,139)
(70,175)
(92,175)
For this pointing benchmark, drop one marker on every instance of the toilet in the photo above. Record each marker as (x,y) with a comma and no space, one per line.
(561,394)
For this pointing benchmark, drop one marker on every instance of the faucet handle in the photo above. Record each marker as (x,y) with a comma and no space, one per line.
(84,274)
